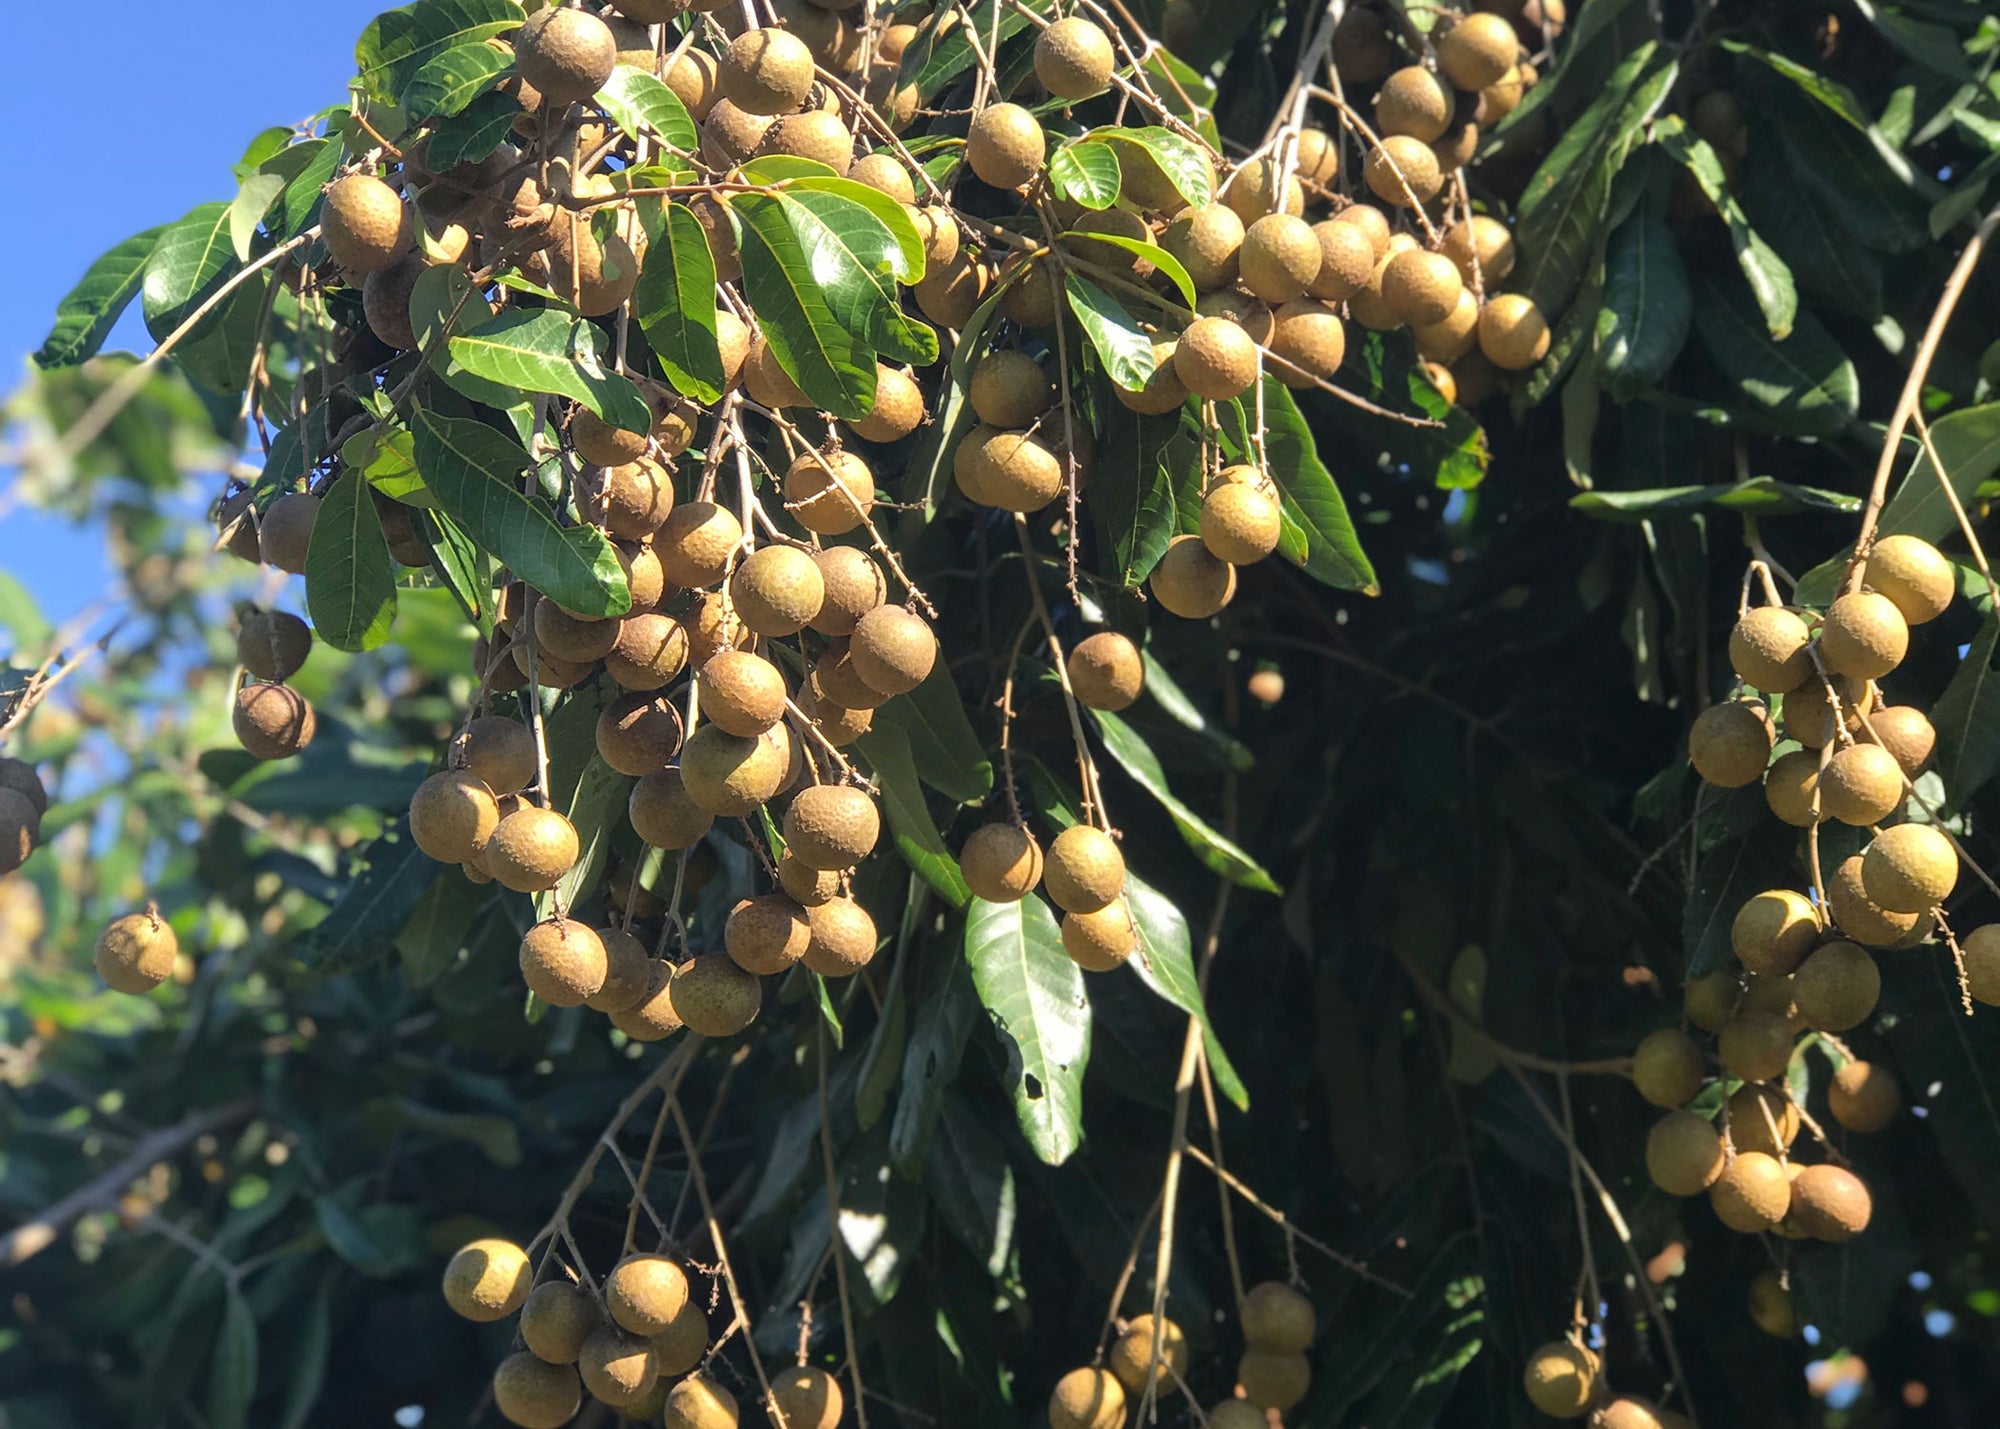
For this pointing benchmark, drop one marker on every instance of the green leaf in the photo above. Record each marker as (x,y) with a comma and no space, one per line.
(475,132)
(1800,222)
(1770,280)
(1147,467)
(399,43)
(640,104)
(192,259)
(593,798)
(1968,443)
(1034,994)
(931,61)
(1122,346)
(456,558)
(887,750)
(88,312)
(431,941)
(1805,384)
(1759,496)
(232,1372)
(350,587)
(267,143)
(1152,253)
(389,877)
(303,194)
(1085,171)
(1566,200)
(945,1014)
(675,304)
(1186,165)
(1175,703)
(830,360)
(1310,498)
(1218,853)
(946,751)
(548,350)
(475,473)
(309,1358)
(1645,312)
(907,259)
(1967,718)
(1727,876)
(379,1241)
(856,258)
(495,1136)
(1166,965)
(450,80)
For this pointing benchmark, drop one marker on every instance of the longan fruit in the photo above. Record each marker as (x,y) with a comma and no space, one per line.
(808,887)
(549,672)
(1482,245)
(766,380)
(766,934)
(1371,223)
(730,775)
(838,725)
(696,80)
(1412,102)
(813,134)
(452,815)
(1317,157)
(273,644)
(1752,1194)
(1791,788)
(563,962)
(1030,297)
(1308,342)
(18,776)
(1829,1203)
(1561,1379)
(1773,930)
(1216,359)
(1277,1318)
(136,951)
(628,969)
(1005,146)
(534,1394)
(1862,785)
(1131,1358)
(1250,314)
(950,292)
(650,650)
(741,693)
(1513,333)
(365,224)
(712,624)
(1762,1119)
(777,590)
(500,753)
(1084,870)
(1106,671)
(1237,1413)
(1074,58)
(766,71)
(1755,1046)
(1252,192)
(831,826)
(853,586)
(639,733)
(1864,1097)
(1421,288)
(1273,1381)
(1627,1411)
(286,531)
(843,938)
(898,409)
(556,1319)
(698,1402)
(1863,636)
(571,639)
(835,681)
(697,542)
(1857,915)
(644,1293)
(385,301)
(273,721)
(1770,649)
(1909,869)
(1913,575)
(1683,1154)
(1477,51)
(663,814)
(1002,863)
(1770,1304)
(829,493)
(1087,1398)
(1808,714)
(1667,1067)
(1346,260)
(631,500)
(1190,582)
(1403,167)
(1712,999)
(565,54)
(1906,733)
(713,996)
(1207,241)
(1981,948)
(617,1368)
(652,1018)
(682,1344)
(1012,471)
(1101,941)
(884,173)
(1009,389)
(1240,523)
(1729,744)
(487,1279)
(1163,391)
(893,649)
(1279,258)
(531,849)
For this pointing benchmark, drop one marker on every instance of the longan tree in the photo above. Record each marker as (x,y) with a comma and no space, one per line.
(1282,711)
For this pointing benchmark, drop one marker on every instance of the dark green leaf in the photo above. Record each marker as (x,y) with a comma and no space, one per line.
(1187,166)
(1769,279)
(399,43)
(641,104)
(302,195)
(309,1358)
(972,1185)
(88,312)
(550,351)
(1802,226)
(1967,719)
(350,588)
(947,753)
(192,259)
(1034,995)
(1085,171)
(1968,443)
(1176,704)
(830,360)
(945,1014)
(906,260)
(232,1372)
(389,877)
(1165,963)
(1759,496)
(1222,856)
(475,473)
(475,132)
(1146,467)
(495,1136)
(379,1241)
(1307,491)
(675,304)
(887,749)
(1125,349)
(450,80)
(1643,320)
(1805,383)
(932,60)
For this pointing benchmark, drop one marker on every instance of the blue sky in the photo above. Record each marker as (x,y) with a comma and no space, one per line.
(155,103)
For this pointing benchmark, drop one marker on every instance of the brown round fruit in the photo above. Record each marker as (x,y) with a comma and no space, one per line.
(1005,146)
(1981,948)
(1729,744)
(1088,1398)
(1770,649)
(1412,102)
(1100,941)
(1084,869)
(1862,919)
(893,649)
(663,814)
(1277,1319)
(1773,931)
(566,54)
(730,775)
(778,590)
(652,1018)
(696,544)
(1756,1046)
(531,849)
(1002,863)
(1215,359)
(843,938)
(136,952)
(651,649)
(1273,1381)
(628,968)
(1421,288)
(830,493)
(534,1394)
(853,586)
(1683,1154)
(1106,671)
(1280,257)
(639,733)
(487,1279)
(1863,636)
(898,408)
(1829,1203)
(1513,333)
(1401,169)
(1667,1067)
(273,644)
(1906,733)
(1909,869)
(830,827)
(1477,51)
(1712,999)
(1074,58)
(1752,1193)
(713,996)
(556,1319)
(452,815)
(1240,523)
(1862,785)
(1864,1097)
(1561,1379)
(563,962)
(1307,343)
(1190,582)
(698,1402)
(766,71)
(1791,788)
(1207,241)
(766,935)
(365,224)
(1837,987)
(1346,260)
(617,1368)
(1131,1358)
(741,693)
(286,531)
(1762,1119)
(644,1293)
(1913,575)
(273,721)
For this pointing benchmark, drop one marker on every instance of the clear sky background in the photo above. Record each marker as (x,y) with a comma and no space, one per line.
(152,103)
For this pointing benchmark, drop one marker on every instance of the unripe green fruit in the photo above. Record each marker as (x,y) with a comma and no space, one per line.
(1862,785)
(1131,1358)
(843,938)
(1712,999)
(534,1394)
(639,733)
(628,970)
(563,962)
(652,1018)
(1277,1318)
(767,934)
(452,815)
(1273,1381)
(1002,863)
(898,409)
(1401,168)
(1829,1203)
(1683,1154)
(644,1293)
(136,952)
(1755,1046)
(273,644)
(1752,1194)
(808,1397)
(1771,1308)
(766,71)
(1864,1097)
(1216,359)
(1005,146)
(1307,343)
(1106,671)
(1087,1398)
(1190,582)
(566,54)
(1791,788)
(557,1318)
(1981,948)
(1513,333)
(273,721)
(893,649)
(1863,636)
(1909,869)
(651,649)
(1074,58)
(1279,258)
(1768,648)
(1913,575)
(487,1279)
(1412,102)
(715,997)
(830,493)
(1421,288)
(832,826)
(617,1367)
(1100,941)
(697,542)
(729,775)
(1762,1119)
(1477,51)
(1084,870)
(1561,1379)
(365,224)
(1667,1068)
(1729,744)
(531,849)
(1773,931)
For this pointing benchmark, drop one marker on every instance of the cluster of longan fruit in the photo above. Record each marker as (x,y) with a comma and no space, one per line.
(639,1344)
(23,801)
(1565,1380)
(1272,1375)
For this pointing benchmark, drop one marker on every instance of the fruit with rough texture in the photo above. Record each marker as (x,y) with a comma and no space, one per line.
(286,531)
(1252,192)
(766,934)
(832,826)
(1074,58)
(644,1293)
(1667,1067)
(1864,1097)
(652,1018)
(829,493)
(728,774)
(638,733)
(898,409)
(1412,102)
(664,815)
(452,815)
(1208,242)
(650,650)
(1480,245)
(1808,714)
(808,1397)
(1272,1380)
(1236,1413)
(1561,1379)
(1477,51)
(1712,999)
(273,644)
(1087,1398)
(698,1402)
(1863,636)
(563,962)
(766,71)
(273,721)
(617,1367)
(1346,260)
(1402,168)
(893,649)
(696,543)
(1981,948)
(1857,915)
(556,1319)
(136,951)
(1770,649)
(778,590)
(1106,671)
(683,1343)
(1163,391)
(1627,1412)
(1513,333)
(1829,1203)
(1002,863)
(1279,258)
(1755,1046)
(741,693)
(1101,941)
(1005,146)
(1683,1153)
(531,849)
(950,292)
(1774,930)
(1730,744)
(1909,869)
(1752,1194)
(1131,1358)
(1307,342)
(715,997)
(534,1394)
(1912,575)
(1013,471)
(385,301)
(566,54)
(1771,1308)
(573,640)
(884,173)
(1190,582)
(843,938)
(628,970)
(813,134)
(1906,732)
(1421,288)
(1239,523)
(808,887)
(365,224)
(487,1279)
(1277,1318)
(1762,1119)
(631,500)
(1791,788)
(1861,785)
(1083,870)
(1837,987)
(500,753)
(852,584)
(1216,359)
(1009,389)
